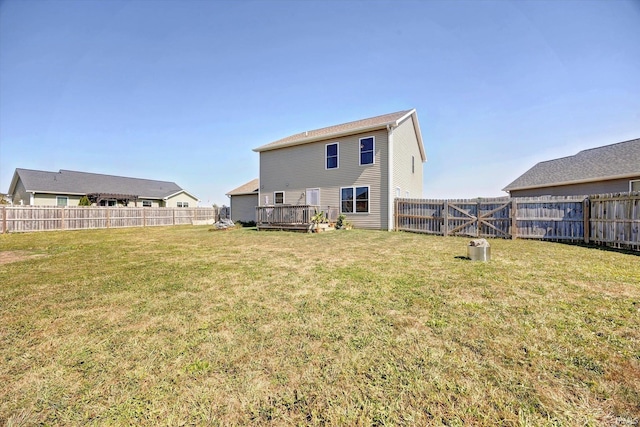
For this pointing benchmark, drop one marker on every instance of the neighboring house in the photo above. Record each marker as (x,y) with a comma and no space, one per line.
(610,169)
(243,201)
(358,167)
(66,188)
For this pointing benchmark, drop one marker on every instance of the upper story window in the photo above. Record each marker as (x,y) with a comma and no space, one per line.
(62,201)
(367,150)
(634,185)
(278,197)
(331,156)
(182,204)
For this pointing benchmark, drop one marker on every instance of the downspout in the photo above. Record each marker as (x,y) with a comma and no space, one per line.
(390,201)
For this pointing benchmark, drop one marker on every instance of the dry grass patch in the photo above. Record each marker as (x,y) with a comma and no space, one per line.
(182,326)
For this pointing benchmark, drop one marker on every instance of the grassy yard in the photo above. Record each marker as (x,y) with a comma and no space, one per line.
(183,326)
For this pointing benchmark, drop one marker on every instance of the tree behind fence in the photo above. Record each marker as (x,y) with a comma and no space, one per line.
(49,218)
(606,219)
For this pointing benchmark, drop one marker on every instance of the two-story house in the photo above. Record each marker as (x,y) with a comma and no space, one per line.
(358,167)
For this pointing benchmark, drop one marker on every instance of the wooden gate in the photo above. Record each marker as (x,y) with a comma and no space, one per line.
(478,218)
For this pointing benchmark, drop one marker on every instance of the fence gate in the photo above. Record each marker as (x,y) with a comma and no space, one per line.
(478,218)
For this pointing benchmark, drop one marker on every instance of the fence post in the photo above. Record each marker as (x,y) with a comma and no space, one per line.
(514,219)
(4,219)
(108,217)
(173,216)
(445,217)
(62,225)
(395,214)
(478,224)
(586,208)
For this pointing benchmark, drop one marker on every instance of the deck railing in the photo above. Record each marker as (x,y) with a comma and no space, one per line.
(292,214)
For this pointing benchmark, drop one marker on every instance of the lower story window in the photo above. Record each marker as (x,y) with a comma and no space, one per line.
(182,204)
(146,203)
(278,197)
(354,200)
(634,185)
(62,201)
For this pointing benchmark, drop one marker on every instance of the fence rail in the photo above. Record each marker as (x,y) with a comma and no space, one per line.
(604,219)
(15,219)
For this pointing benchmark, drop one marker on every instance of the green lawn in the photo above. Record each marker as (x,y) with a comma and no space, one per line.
(183,326)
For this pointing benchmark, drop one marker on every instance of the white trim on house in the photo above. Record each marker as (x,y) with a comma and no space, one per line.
(390,204)
(326,155)
(275,198)
(355,199)
(373,151)
(175,194)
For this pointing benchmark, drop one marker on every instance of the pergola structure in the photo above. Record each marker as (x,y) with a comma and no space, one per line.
(98,198)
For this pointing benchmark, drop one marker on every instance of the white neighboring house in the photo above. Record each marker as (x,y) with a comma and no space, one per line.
(66,188)
(359,167)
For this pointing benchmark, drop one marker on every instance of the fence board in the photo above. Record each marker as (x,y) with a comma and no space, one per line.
(48,218)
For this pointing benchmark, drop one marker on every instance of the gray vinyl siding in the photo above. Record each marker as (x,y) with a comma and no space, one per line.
(405,145)
(243,207)
(295,169)
(600,187)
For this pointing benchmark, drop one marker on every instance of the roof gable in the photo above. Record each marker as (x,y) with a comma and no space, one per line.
(73,182)
(349,128)
(613,161)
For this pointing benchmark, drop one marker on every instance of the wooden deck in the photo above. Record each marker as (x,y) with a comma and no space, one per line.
(290,217)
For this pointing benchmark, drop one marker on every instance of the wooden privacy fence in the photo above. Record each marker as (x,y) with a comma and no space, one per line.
(48,218)
(606,219)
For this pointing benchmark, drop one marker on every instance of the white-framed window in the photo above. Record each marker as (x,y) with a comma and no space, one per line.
(182,204)
(146,203)
(331,152)
(278,197)
(367,150)
(634,185)
(62,201)
(398,192)
(354,199)
(406,194)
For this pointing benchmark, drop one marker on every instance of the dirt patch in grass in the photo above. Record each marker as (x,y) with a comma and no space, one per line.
(7,257)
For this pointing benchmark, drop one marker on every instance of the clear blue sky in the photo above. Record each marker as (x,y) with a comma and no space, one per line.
(183,90)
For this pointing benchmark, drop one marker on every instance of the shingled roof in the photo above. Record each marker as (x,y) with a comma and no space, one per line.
(72,182)
(250,187)
(350,128)
(615,161)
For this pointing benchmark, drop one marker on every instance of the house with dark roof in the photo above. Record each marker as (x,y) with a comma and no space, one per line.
(243,201)
(357,167)
(66,188)
(612,168)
